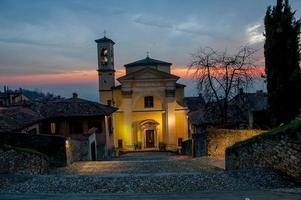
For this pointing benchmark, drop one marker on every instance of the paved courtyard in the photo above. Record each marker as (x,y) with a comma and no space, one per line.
(147,175)
(145,163)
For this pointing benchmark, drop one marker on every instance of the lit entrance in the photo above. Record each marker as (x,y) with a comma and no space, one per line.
(149,135)
(150,138)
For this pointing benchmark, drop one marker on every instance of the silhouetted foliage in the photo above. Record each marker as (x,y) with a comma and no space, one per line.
(282,57)
(221,76)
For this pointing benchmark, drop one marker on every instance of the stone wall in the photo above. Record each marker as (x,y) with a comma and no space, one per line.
(52,146)
(200,144)
(22,161)
(197,146)
(80,149)
(279,150)
(186,147)
(219,139)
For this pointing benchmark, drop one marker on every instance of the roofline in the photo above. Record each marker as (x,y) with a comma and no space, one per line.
(121,78)
(180,85)
(134,64)
(100,40)
(40,120)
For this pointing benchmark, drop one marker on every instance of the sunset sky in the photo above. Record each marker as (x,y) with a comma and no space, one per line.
(49,44)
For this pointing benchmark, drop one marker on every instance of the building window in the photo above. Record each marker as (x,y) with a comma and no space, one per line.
(76,127)
(180,140)
(52,128)
(109,102)
(96,124)
(149,102)
(120,145)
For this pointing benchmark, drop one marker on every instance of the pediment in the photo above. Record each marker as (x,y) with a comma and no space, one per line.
(148,74)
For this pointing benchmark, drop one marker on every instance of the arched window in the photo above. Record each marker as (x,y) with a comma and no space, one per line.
(104,56)
(149,102)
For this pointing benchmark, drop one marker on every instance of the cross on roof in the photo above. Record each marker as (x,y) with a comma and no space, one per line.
(104,33)
(147,54)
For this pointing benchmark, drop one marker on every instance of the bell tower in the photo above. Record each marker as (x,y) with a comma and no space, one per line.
(106,71)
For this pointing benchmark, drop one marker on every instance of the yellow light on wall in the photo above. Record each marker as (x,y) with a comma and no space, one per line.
(67,144)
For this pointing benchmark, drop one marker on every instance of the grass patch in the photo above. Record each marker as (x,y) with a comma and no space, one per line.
(291,127)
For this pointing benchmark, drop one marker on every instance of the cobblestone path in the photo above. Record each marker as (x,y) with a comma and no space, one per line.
(135,173)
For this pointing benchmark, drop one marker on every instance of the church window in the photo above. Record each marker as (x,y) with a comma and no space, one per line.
(180,140)
(149,102)
(120,145)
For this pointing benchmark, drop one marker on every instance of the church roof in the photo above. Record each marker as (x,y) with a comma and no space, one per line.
(104,40)
(147,62)
(147,73)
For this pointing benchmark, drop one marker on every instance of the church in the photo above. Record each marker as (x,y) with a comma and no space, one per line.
(151,115)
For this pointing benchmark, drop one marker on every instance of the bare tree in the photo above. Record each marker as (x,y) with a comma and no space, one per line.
(221,76)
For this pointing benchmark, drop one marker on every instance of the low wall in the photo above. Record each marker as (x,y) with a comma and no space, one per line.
(200,144)
(52,146)
(22,161)
(80,149)
(186,147)
(219,139)
(280,150)
(197,146)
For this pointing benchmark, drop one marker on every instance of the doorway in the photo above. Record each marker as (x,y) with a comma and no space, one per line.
(150,138)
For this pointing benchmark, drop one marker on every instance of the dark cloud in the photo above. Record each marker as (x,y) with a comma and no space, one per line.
(28,42)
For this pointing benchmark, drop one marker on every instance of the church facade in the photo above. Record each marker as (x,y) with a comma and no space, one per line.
(151,114)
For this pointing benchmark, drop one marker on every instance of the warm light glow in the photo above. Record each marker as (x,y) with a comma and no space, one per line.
(90,76)
(52,128)
(255,72)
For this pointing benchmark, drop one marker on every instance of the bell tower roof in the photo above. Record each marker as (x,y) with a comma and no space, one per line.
(105,40)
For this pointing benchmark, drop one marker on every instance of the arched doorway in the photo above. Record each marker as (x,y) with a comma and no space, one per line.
(150,138)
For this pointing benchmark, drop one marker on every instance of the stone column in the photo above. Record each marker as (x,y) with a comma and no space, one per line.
(128,120)
(171,126)
(107,132)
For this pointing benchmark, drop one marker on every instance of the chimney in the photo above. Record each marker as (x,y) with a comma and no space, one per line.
(75,95)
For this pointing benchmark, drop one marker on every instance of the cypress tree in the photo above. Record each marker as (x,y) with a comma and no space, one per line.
(282,57)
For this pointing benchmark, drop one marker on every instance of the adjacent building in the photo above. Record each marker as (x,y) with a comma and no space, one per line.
(151,114)
(79,119)
(12,98)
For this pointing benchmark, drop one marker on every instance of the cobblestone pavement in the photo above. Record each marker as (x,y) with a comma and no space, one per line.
(136,163)
(159,173)
(244,195)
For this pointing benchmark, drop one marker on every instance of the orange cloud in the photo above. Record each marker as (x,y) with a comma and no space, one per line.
(89,76)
